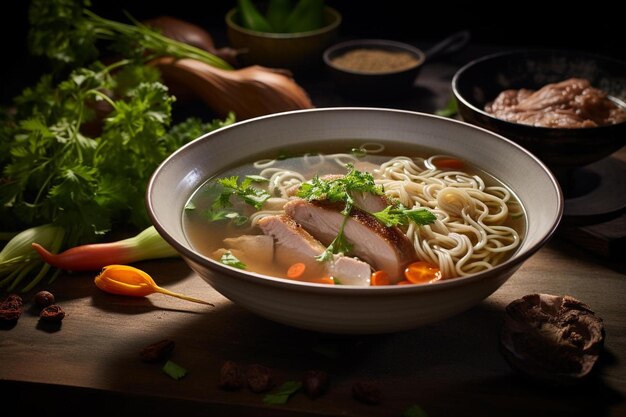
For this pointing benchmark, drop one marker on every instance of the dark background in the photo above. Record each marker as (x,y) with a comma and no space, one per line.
(596,28)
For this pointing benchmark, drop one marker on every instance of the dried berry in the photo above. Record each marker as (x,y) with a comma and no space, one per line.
(158,351)
(551,338)
(231,376)
(315,383)
(43,299)
(52,314)
(259,378)
(14,299)
(11,308)
(366,392)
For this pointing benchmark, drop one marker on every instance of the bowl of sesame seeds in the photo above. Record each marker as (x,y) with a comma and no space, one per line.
(374,68)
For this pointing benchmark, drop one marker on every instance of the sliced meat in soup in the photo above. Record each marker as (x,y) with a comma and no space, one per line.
(294,244)
(384,248)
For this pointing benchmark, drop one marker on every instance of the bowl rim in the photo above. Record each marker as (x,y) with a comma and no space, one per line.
(259,279)
(530,128)
(336,15)
(376,42)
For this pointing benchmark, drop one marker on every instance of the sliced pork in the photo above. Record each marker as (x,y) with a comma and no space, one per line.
(294,244)
(384,248)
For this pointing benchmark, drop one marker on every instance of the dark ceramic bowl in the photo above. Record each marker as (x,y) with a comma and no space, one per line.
(391,84)
(561,149)
(373,85)
(299,52)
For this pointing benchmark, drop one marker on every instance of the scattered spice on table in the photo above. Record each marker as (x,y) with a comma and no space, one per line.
(158,351)
(11,308)
(52,314)
(43,299)
(231,376)
(315,383)
(375,60)
(259,378)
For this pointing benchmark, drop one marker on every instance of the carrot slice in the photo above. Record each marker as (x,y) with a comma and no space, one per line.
(405,282)
(449,163)
(324,280)
(296,270)
(422,272)
(380,278)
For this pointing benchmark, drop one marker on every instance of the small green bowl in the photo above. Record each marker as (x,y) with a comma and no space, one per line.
(298,52)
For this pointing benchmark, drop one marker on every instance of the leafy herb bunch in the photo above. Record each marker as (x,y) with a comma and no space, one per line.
(55,168)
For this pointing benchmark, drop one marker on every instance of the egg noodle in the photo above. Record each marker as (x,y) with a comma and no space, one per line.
(469,234)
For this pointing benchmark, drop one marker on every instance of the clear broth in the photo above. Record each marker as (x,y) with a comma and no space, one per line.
(207,237)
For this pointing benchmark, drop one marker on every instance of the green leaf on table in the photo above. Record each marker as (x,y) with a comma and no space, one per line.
(282,394)
(174,370)
(414,411)
(450,110)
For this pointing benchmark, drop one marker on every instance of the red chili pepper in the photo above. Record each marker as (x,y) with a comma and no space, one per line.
(146,245)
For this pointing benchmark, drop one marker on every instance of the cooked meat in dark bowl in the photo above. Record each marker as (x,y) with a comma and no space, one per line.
(545,99)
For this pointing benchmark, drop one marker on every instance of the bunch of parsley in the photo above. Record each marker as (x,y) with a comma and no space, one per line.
(55,168)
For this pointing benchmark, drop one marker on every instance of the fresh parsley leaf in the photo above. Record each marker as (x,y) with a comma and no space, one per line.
(388,217)
(231,260)
(174,370)
(67,32)
(414,411)
(256,178)
(339,189)
(421,216)
(282,394)
(396,215)
(338,245)
(191,129)
(245,191)
(236,218)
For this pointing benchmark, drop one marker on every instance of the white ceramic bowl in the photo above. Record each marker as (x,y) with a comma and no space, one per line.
(344,309)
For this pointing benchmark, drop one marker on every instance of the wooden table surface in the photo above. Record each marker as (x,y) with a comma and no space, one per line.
(90,365)
(452,368)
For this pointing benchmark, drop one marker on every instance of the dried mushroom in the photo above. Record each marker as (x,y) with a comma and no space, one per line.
(551,338)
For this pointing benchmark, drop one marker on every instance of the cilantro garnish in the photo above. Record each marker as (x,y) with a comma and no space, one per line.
(399,215)
(339,189)
(282,394)
(231,260)
(338,245)
(217,215)
(244,190)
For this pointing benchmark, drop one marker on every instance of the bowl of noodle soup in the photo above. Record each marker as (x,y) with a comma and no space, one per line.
(354,220)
